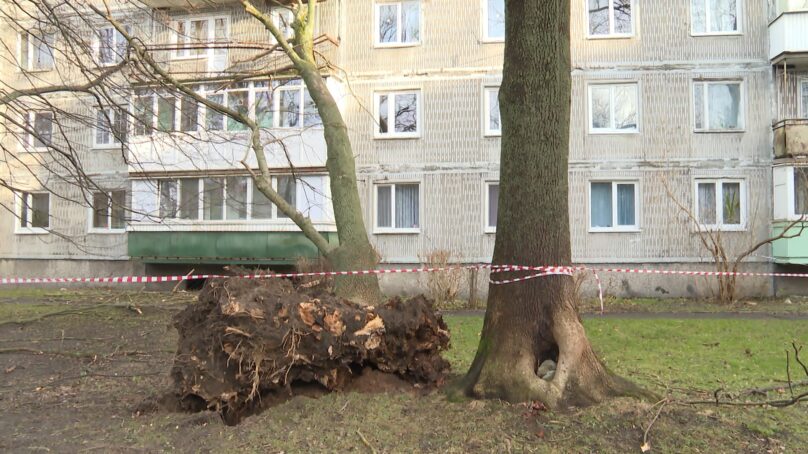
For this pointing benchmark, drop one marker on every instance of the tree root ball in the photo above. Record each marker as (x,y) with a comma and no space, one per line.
(245,338)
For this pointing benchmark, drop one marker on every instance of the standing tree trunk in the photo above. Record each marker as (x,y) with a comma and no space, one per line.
(529,322)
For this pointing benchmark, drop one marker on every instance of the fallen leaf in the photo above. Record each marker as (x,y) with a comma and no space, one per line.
(10,369)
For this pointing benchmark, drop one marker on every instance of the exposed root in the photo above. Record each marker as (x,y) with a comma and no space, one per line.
(247,338)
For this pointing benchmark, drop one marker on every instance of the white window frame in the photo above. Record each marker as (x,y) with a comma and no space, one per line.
(719,197)
(611,34)
(487,38)
(251,190)
(706,106)
(802,92)
(116,37)
(792,201)
(278,14)
(391,128)
(487,204)
(738,14)
(30,139)
(612,85)
(184,53)
(113,114)
(487,131)
(91,214)
(18,220)
(376,10)
(615,228)
(274,88)
(30,53)
(393,229)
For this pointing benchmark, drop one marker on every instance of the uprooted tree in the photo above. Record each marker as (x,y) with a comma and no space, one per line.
(245,338)
(138,66)
(531,322)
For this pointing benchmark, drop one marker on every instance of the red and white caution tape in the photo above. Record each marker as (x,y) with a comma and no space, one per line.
(538,271)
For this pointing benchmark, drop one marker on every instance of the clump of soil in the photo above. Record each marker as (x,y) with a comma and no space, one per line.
(247,338)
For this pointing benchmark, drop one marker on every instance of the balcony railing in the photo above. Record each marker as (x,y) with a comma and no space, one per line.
(791,138)
(788,37)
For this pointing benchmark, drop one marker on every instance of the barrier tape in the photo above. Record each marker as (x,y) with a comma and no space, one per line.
(538,271)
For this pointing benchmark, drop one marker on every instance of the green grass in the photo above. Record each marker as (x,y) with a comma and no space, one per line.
(703,354)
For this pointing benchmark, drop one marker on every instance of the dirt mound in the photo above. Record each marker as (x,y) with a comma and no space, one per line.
(245,338)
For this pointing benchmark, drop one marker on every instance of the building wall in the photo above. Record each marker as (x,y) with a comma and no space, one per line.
(453,159)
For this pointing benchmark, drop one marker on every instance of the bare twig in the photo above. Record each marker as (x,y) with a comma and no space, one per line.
(661,404)
(797,351)
(788,373)
(366,442)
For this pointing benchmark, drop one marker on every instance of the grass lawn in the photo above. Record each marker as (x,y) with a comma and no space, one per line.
(67,404)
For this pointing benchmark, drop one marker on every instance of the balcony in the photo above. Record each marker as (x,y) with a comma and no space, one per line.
(787,37)
(792,250)
(186,4)
(791,138)
(223,247)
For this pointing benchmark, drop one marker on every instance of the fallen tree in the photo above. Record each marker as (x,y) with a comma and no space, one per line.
(246,338)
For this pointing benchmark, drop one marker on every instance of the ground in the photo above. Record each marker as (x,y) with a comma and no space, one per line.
(76,366)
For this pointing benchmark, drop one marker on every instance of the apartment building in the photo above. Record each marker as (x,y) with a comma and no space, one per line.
(681,111)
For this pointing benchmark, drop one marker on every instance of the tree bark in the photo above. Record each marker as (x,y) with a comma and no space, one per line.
(354,251)
(532,321)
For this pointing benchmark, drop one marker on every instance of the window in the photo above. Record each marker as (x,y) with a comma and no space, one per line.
(290,106)
(494,20)
(714,17)
(718,106)
(614,108)
(169,199)
(804,98)
(144,111)
(282,18)
(111,126)
(397,208)
(189,114)
(110,46)
(36,53)
(800,192)
(402,109)
(491,206)
(213,199)
(236,198)
(294,106)
(108,212)
(166,113)
(38,129)
(613,206)
(203,38)
(237,201)
(493,124)
(398,23)
(34,211)
(189,198)
(721,203)
(609,18)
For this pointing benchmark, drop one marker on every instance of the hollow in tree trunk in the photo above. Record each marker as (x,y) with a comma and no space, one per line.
(532,321)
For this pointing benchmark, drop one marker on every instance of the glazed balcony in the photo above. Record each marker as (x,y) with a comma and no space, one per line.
(788,40)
